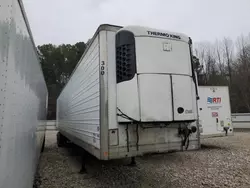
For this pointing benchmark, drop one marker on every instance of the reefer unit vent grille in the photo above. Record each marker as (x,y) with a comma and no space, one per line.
(125,56)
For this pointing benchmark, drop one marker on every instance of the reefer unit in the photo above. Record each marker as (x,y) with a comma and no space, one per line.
(214,111)
(133,92)
(23,99)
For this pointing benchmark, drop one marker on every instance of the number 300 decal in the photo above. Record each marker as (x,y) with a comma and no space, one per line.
(102,68)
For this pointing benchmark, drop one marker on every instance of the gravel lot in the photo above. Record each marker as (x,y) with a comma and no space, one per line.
(222,162)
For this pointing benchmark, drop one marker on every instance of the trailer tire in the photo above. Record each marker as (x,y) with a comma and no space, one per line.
(43,145)
(61,140)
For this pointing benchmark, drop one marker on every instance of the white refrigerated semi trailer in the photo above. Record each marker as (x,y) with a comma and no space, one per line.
(214,111)
(23,99)
(133,92)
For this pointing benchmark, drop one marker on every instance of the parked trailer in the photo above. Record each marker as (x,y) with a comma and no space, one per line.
(23,99)
(215,111)
(241,121)
(132,92)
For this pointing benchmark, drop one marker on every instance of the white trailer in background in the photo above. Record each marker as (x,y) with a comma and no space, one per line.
(241,121)
(23,99)
(132,92)
(214,111)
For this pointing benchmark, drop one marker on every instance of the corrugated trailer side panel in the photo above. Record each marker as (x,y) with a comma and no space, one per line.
(83,105)
(79,103)
(5,23)
(23,99)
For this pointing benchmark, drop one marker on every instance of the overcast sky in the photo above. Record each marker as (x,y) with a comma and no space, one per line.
(70,21)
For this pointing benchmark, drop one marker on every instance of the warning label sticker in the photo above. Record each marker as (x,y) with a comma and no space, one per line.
(214,114)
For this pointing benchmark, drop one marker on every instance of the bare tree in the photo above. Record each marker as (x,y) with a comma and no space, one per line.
(219,57)
(228,50)
(242,72)
(228,63)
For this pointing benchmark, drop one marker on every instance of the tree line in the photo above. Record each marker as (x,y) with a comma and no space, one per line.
(222,63)
(57,63)
(227,62)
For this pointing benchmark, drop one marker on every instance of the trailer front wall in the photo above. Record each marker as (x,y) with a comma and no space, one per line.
(122,139)
(23,99)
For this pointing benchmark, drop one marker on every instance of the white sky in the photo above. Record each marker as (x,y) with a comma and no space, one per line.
(71,21)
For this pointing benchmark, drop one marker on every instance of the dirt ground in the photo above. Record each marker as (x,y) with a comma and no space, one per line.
(221,162)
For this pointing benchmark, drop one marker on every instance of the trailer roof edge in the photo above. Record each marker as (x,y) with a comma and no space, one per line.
(102,27)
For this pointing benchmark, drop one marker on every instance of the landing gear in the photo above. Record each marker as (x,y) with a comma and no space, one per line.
(226,130)
(43,145)
(133,162)
(61,140)
(83,167)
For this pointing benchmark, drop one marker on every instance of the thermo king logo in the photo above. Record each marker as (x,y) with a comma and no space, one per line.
(213,100)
